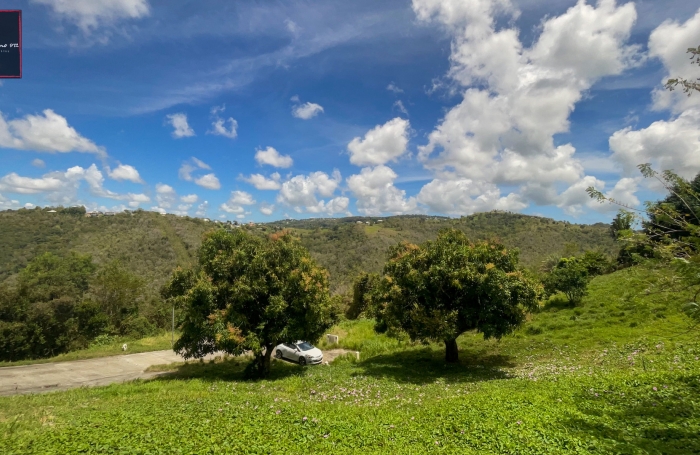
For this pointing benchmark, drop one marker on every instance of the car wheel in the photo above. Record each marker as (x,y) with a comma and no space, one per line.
(302,361)
(278,354)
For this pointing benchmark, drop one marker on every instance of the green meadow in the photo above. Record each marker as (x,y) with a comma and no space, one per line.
(617,374)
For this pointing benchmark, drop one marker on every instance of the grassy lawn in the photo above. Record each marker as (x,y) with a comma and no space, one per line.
(618,374)
(114,347)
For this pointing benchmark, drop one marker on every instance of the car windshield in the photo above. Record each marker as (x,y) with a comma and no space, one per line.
(304,346)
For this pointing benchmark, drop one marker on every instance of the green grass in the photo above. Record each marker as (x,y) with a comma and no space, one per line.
(114,347)
(573,380)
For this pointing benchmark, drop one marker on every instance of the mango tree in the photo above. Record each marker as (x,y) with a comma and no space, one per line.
(443,288)
(249,294)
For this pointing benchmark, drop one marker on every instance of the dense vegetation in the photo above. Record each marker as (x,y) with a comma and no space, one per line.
(152,245)
(616,374)
(130,256)
(345,247)
(148,244)
(59,304)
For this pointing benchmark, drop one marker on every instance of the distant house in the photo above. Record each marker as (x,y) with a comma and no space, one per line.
(359,222)
(367,222)
(51,211)
(380,221)
(110,213)
(91,214)
(207,220)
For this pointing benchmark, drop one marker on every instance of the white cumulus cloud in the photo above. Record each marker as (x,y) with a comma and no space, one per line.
(125,172)
(46,132)
(219,128)
(267,209)
(301,191)
(180,126)
(669,42)
(62,187)
(515,98)
(237,202)
(272,157)
(376,194)
(208,181)
(465,196)
(672,144)
(260,182)
(381,144)
(189,199)
(307,110)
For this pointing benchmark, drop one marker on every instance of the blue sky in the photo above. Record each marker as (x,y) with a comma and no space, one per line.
(266,110)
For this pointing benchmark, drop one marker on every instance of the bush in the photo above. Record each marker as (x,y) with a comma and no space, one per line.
(136,327)
(570,277)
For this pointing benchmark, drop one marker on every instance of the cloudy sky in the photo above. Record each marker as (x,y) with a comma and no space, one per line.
(261,110)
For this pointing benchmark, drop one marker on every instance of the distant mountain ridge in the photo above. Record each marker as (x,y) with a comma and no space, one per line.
(152,245)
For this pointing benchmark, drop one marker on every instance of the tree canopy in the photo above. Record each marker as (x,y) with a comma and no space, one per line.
(249,294)
(569,276)
(443,288)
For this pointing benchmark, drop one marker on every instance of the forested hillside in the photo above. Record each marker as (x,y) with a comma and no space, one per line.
(347,245)
(151,245)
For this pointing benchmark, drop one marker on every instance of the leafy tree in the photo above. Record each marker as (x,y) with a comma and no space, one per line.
(50,276)
(671,227)
(44,314)
(596,263)
(118,292)
(443,288)
(671,231)
(569,276)
(682,204)
(362,287)
(80,211)
(621,223)
(250,294)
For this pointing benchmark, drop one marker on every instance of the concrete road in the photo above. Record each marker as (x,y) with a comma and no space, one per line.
(92,372)
(47,377)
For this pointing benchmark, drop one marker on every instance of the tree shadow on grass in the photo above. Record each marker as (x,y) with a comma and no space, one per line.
(426,365)
(223,369)
(643,421)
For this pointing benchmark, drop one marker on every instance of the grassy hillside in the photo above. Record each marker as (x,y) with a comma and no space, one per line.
(617,374)
(152,245)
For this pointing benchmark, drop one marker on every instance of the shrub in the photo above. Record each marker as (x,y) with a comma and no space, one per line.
(570,277)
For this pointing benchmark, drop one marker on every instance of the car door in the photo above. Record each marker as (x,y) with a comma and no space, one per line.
(290,352)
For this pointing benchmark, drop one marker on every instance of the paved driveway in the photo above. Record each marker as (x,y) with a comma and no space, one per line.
(47,377)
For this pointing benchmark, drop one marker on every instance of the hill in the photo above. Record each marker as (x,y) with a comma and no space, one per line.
(152,245)
(149,244)
(616,374)
(347,245)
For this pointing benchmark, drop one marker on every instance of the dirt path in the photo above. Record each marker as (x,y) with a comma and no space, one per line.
(48,377)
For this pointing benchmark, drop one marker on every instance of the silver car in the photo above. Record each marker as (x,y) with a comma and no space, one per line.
(301,352)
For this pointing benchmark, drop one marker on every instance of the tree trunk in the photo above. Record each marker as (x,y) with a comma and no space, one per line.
(451,351)
(266,361)
(260,366)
